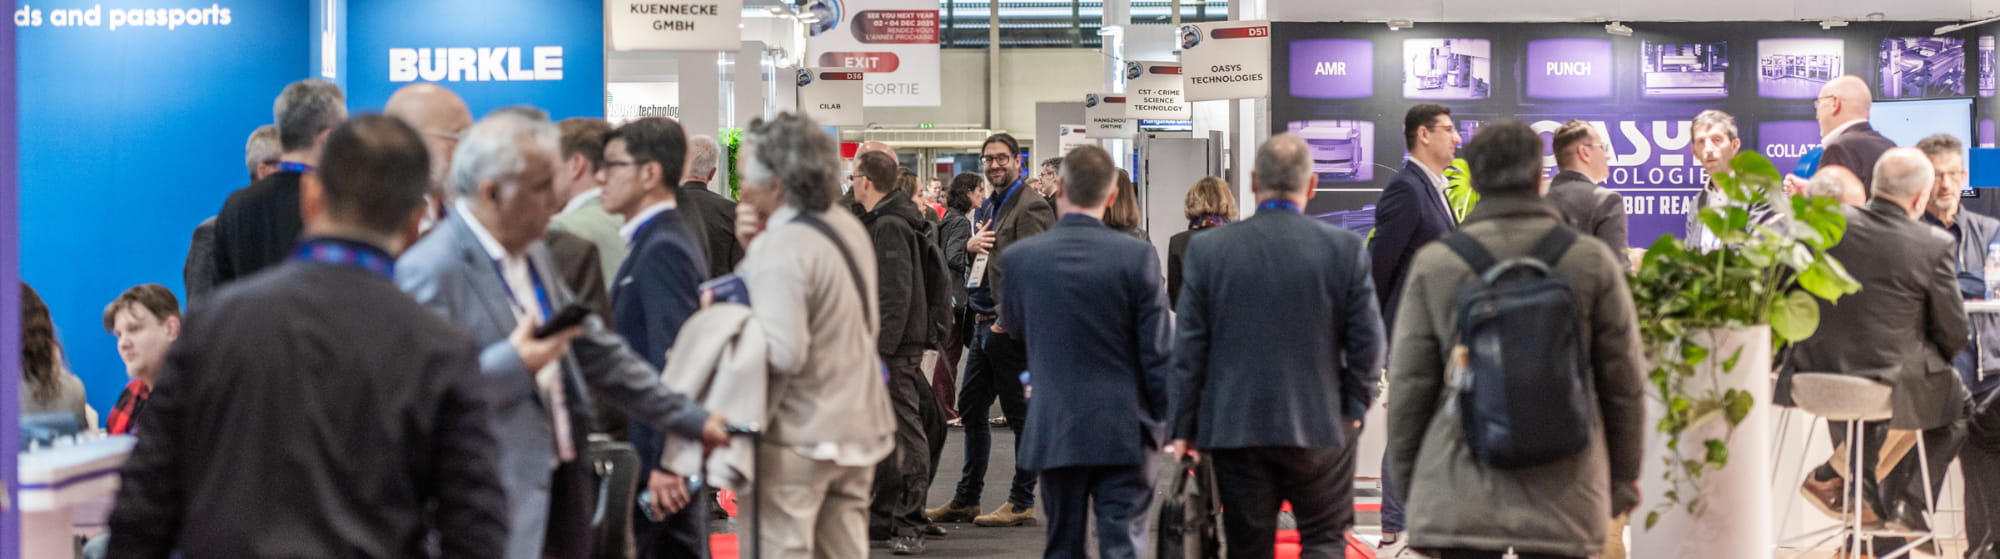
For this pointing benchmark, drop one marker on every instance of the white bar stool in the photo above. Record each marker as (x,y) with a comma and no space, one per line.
(1855,400)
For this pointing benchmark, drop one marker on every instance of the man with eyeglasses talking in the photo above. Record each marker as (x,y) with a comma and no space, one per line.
(1851,144)
(1584,157)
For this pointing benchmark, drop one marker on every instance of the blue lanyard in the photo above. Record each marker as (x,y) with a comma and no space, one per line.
(1279,204)
(347,253)
(541,295)
(993,208)
(294,167)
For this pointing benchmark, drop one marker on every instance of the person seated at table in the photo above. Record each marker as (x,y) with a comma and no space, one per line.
(146,319)
(46,384)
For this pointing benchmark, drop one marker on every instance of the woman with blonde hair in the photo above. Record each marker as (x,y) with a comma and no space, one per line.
(1123,215)
(1209,204)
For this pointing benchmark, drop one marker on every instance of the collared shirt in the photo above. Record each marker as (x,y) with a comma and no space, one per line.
(580,199)
(519,279)
(631,226)
(1837,130)
(124,415)
(1438,184)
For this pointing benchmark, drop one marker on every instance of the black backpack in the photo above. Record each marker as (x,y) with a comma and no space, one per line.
(1521,378)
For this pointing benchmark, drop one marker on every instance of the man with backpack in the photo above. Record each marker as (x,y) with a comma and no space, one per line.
(897,228)
(1279,351)
(1530,455)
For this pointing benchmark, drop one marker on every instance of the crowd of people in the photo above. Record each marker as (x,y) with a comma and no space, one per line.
(382,355)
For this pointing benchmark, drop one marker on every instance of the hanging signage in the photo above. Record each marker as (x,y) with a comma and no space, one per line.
(555,64)
(831,96)
(703,25)
(1226,60)
(1069,136)
(894,41)
(1155,91)
(1106,113)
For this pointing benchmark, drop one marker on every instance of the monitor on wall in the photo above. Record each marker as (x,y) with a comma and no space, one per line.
(1908,122)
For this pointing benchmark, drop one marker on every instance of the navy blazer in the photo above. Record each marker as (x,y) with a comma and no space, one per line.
(1410,214)
(1280,342)
(654,293)
(1088,302)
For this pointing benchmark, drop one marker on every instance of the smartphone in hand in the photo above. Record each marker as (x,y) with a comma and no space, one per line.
(568,317)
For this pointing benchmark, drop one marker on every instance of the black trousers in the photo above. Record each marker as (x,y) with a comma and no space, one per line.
(1904,481)
(904,478)
(1319,482)
(1982,493)
(682,535)
(993,371)
(1121,495)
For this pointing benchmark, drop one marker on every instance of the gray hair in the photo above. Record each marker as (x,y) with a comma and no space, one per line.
(793,151)
(496,149)
(703,151)
(1714,117)
(1825,184)
(262,146)
(1283,164)
(306,108)
(1903,174)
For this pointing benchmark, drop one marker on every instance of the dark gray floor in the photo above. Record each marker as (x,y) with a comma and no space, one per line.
(966,540)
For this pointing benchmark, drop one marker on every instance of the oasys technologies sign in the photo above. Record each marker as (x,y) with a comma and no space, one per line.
(702,25)
(1226,60)
(831,96)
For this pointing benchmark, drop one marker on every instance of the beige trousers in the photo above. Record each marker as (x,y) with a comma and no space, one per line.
(810,508)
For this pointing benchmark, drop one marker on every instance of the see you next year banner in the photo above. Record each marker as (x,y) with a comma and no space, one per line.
(1344,88)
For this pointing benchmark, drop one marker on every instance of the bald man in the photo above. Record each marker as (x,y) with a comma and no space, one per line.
(440,116)
(1851,144)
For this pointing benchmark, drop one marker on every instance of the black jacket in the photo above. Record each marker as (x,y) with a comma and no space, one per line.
(712,218)
(357,433)
(1857,149)
(952,234)
(898,230)
(258,227)
(1176,251)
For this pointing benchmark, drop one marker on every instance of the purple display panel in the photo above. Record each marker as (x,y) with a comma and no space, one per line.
(1684,70)
(1918,67)
(10,294)
(1447,68)
(1569,69)
(1796,68)
(1784,141)
(1986,133)
(1986,66)
(1342,150)
(1651,166)
(1333,68)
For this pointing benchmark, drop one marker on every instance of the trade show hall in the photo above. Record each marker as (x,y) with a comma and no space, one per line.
(998,279)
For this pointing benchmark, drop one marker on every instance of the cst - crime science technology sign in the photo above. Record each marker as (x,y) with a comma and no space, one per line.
(1154,89)
(705,25)
(895,42)
(831,96)
(1226,60)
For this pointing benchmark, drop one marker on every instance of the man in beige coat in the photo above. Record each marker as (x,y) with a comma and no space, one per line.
(1457,507)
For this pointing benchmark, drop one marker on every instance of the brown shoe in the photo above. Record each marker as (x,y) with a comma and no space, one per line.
(952,512)
(1006,515)
(1830,497)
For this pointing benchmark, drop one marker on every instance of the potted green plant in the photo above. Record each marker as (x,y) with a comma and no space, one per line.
(1710,321)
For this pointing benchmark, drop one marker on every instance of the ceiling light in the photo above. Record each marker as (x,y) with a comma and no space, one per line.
(1399,24)
(1832,22)
(1952,28)
(1618,29)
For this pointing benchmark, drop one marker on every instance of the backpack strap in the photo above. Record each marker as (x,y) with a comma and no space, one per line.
(1472,252)
(1554,245)
(860,286)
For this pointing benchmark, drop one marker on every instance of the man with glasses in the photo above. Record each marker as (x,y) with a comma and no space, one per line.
(1584,158)
(1412,212)
(440,117)
(582,189)
(1851,144)
(993,370)
(1979,363)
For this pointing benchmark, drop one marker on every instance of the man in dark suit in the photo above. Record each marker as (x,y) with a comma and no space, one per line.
(993,369)
(1088,300)
(1901,329)
(897,230)
(486,269)
(261,156)
(1584,157)
(1851,144)
(581,269)
(317,410)
(654,294)
(712,216)
(1280,349)
(259,225)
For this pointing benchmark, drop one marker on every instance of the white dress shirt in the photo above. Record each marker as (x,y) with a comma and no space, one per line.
(632,226)
(1438,184)
(518,277)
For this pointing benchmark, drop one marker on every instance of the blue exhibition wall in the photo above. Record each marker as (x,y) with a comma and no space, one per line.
(133,125)
(494,53)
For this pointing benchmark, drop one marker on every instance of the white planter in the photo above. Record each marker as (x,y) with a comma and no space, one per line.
(1735,517)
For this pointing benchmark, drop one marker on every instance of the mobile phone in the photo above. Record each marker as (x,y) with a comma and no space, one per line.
(726,289)
(569,316)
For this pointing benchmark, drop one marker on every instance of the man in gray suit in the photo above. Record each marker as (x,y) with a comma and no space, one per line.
(811,273)
(485,269)
(1902,330)
(578,184)
(1584,156)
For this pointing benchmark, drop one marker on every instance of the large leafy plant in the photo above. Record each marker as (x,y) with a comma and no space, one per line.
(1767,273)
(732,140)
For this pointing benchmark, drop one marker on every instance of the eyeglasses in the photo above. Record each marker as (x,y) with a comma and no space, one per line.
(608,165)
(1960,174)
(1821,101)
(995,159)
(453,136)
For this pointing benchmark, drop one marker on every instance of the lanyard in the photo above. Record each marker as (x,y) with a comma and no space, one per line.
(1280,204)
(348,253)
(294,167)
(995,207)
(541,295)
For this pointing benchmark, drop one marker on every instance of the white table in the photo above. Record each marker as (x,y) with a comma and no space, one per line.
(55,481)
(1974,307)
